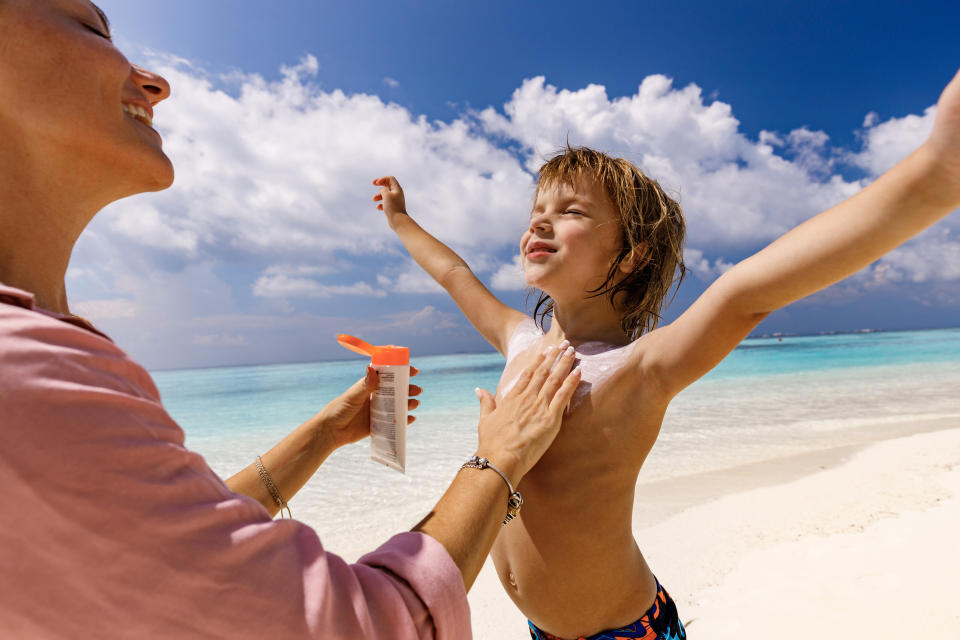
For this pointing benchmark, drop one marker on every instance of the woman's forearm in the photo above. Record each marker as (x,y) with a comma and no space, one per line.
(291,463)
(468,517)
(512,435)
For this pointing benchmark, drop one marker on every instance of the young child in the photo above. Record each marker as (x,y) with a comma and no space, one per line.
(603,244)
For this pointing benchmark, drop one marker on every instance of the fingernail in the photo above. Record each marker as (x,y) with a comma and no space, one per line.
(569,351)
(564,344)
(577,370)
(549,349)
(476,392)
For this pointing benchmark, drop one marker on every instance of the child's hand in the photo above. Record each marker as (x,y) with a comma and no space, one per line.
(944,141)
(390,198)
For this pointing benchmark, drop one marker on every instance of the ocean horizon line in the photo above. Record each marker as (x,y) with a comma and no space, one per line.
(824,333)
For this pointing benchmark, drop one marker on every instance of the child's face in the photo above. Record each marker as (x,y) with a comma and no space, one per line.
(574,235)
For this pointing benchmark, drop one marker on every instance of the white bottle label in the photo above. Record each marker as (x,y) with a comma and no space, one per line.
(388,417)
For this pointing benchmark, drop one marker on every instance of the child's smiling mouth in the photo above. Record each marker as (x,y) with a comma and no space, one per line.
(539,250)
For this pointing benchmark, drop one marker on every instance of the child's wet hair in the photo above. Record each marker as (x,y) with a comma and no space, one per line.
(652,228)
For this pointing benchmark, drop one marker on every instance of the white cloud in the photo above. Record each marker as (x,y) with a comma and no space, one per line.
(735,192)
(105,309)
(931,258)
(284,286)
(390,82)
(696,262)
(425,321)
(409,279)
(273,193)
(510,277)
(886,143)
(284,168)
(299,270)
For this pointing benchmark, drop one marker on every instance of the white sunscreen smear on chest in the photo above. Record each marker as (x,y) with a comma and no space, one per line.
(598,361)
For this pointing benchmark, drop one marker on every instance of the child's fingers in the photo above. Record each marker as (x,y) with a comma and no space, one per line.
(379,207)
(386,181)
(410,419)
(378,197)
(414,390)
(563,395)
(412,404)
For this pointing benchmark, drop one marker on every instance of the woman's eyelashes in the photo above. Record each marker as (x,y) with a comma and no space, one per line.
(100,33)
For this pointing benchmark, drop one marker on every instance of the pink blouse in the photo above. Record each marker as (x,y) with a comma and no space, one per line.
(111,528)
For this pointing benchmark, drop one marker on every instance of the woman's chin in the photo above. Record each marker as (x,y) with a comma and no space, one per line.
(160,175)
(165,179)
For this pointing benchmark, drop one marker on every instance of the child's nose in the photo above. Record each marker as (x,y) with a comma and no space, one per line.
(539,223)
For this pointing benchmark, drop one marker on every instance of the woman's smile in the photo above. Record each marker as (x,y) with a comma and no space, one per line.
(138,112)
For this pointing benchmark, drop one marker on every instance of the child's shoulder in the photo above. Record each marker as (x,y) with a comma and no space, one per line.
(526,333)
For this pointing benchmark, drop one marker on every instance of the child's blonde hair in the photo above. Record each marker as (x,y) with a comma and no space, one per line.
(652,229)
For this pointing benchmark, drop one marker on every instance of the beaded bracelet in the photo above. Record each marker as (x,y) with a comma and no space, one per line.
(514,502)
(272,488)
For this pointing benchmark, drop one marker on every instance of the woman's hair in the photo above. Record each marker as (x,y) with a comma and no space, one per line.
(652,228)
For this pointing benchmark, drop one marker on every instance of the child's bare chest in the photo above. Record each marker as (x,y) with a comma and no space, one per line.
(608,418)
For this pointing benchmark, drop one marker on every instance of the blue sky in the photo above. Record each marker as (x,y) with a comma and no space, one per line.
(757,115)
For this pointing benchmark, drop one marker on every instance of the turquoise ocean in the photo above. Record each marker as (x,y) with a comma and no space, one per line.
(771,397)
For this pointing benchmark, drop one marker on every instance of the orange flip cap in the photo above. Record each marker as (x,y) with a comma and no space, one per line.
(383,354)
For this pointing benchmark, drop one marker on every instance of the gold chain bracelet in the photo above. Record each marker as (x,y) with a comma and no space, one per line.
(272,488)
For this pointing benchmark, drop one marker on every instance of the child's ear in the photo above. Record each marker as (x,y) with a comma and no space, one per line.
(637,258)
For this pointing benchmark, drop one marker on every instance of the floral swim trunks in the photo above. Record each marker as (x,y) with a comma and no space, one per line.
(660,622)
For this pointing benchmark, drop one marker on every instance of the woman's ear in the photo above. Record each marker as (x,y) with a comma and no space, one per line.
(637,258)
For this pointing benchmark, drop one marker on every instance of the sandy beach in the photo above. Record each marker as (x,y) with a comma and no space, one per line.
(804,488)
(858,541)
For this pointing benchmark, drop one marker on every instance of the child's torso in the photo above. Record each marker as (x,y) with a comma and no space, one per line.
(570,561)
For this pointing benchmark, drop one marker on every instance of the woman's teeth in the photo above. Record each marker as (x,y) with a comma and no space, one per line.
(139,113)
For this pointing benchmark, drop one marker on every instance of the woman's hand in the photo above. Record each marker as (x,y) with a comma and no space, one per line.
(514,434)
(346,419)
(391,198)
(294,460)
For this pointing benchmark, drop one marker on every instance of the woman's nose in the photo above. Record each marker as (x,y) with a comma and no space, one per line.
(154,86)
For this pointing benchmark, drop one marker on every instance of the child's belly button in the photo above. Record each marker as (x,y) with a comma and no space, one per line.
(512,579)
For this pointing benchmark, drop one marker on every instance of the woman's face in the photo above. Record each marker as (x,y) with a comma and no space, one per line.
(69,98)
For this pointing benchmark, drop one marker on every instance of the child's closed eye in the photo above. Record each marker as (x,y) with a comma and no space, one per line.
(571,212)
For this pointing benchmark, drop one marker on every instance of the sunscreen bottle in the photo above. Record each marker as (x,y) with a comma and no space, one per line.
(388,407)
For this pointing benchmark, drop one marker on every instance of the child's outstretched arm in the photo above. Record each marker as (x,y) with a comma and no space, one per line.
(494,320)
(914,194)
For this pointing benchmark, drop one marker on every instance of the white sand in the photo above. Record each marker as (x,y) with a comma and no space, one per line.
(865,545)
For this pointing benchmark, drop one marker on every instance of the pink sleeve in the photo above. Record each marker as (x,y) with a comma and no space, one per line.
(113,529)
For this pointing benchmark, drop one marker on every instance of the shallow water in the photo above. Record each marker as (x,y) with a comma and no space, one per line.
(768,398)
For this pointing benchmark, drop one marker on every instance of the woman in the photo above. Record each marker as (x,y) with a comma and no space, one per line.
(112,528)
